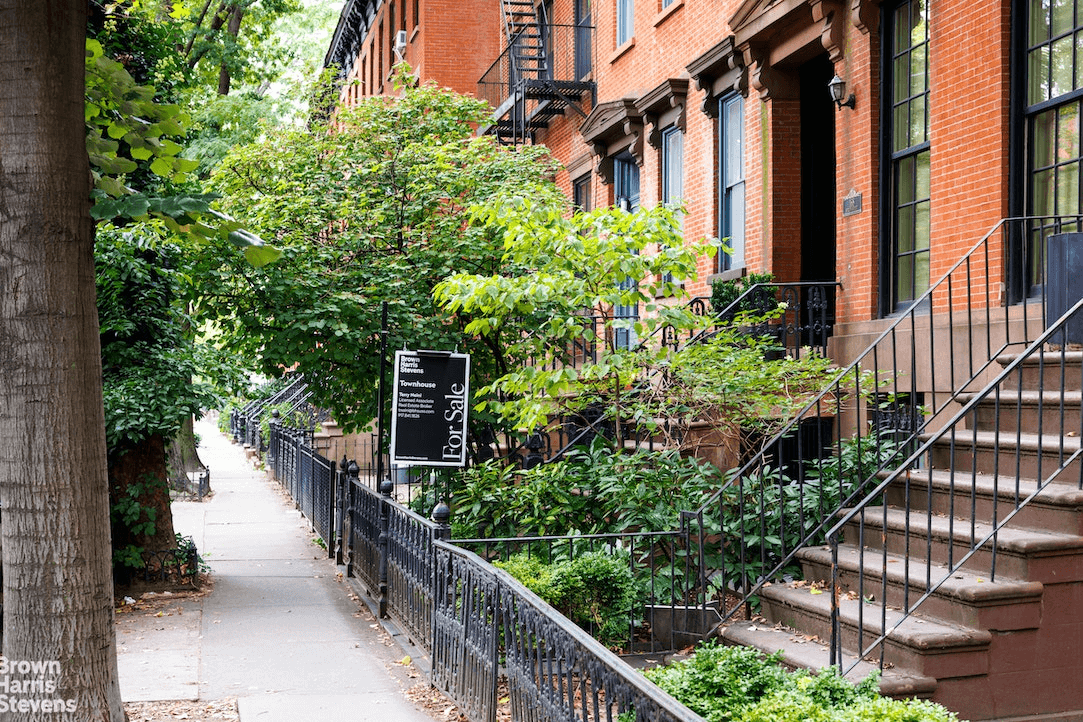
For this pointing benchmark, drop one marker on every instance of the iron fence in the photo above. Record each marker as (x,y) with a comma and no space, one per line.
(488,636)
(666,612)
(555,671)
(309,478)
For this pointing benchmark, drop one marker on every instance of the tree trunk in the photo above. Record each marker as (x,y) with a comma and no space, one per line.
(182,456)
(58,587)
(143,467)
(234,29)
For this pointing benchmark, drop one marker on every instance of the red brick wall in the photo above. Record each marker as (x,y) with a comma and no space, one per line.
(456,40)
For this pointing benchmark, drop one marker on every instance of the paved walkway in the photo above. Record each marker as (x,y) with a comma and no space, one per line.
(280,631)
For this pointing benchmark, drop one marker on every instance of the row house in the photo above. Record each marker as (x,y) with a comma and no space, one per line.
(921,160)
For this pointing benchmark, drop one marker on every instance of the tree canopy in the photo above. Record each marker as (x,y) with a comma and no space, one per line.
(367,210)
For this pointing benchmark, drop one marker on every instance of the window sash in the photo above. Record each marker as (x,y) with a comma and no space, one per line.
(731,184)
(625,21)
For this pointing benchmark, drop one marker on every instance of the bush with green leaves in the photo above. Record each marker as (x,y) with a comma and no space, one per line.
(593,491)
(767,515)
(739,684)
(596,590)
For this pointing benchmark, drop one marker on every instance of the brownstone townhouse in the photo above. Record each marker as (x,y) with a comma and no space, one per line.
(916,156)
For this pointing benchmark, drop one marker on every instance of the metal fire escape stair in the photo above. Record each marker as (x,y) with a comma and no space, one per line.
(535,93)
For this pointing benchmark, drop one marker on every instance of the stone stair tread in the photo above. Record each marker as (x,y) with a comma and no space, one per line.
(913,631)
(1009,539)
(1052,398)
(800,651)
(1069,357)
(962,584)
(1055,493)
(1026,441)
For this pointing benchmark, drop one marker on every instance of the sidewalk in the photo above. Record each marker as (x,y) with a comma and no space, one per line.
(280,631)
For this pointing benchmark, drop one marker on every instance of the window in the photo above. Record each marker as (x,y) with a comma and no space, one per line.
(667,3)
(731,180)
(402,14)
(672,172)
(581,193)
(625,21)
(583,31)
(672,165)
(379,59)
(909,150)
(626,192)
(417,12)
(545,18)
(1054,97)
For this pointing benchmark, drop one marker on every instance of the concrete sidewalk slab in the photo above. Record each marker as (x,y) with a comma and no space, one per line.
(281,631)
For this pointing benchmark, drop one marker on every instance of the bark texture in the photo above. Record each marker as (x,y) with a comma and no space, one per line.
(58,595)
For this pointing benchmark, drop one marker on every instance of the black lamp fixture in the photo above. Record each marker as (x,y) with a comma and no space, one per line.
(837,87)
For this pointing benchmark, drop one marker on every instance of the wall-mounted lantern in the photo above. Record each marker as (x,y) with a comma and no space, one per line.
(837,87)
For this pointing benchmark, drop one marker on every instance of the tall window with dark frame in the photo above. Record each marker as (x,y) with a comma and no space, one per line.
(581,193)
(672,172)
(625,21)
(672,165)
(544,12)
(1053,109)
(731,180)
(583,23)
(908,70)
(626,195)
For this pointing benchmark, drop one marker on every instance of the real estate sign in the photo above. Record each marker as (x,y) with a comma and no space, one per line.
(429,408)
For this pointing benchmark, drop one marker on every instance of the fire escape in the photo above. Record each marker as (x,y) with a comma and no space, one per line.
(543,71)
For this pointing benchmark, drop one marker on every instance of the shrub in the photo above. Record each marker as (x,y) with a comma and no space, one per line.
(724,293)
(738,684)
(595,590)
(593,491)
(773,513)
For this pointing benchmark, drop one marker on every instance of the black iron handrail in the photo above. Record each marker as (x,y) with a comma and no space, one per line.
(889,375)
(960,441)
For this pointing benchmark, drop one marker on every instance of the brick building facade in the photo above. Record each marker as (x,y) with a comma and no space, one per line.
(801,187)
(953,126)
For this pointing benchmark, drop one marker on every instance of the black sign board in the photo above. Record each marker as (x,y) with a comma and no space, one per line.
(428,413)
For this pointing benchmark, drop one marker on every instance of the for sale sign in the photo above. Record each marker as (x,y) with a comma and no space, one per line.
(428,413)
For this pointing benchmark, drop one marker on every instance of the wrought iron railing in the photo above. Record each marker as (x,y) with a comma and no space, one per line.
(804,322)
(486,633)
(788,494)
(246,423)
(661,569)
(556,672)
(527,94)
(1021,464)
(309,478)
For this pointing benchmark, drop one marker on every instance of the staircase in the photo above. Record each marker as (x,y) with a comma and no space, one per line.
(535,79)
(996,630)
(523,34)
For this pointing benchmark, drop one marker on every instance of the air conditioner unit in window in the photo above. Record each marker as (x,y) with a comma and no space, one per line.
(400,44)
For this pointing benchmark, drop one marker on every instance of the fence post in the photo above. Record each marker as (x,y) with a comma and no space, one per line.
(441,514)
(386,487)
(272,445)
(352,471)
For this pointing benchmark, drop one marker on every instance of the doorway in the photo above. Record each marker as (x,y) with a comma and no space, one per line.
(818,200)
